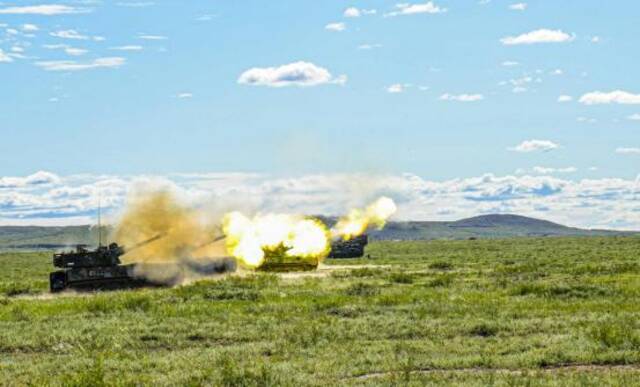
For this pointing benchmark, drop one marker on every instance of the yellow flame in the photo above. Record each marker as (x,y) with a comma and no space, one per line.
(358,221)
(249,239)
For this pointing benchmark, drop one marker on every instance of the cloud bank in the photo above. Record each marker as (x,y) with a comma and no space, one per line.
(46,9)
(46,198)
(616,96)
(69,65)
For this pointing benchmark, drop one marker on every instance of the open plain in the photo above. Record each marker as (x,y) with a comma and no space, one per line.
(534,311)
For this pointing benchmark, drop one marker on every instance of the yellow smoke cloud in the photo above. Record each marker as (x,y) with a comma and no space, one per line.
(251,239)
(183,233)
(358,220)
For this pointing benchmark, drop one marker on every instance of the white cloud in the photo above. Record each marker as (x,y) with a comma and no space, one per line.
(413,9)
(38,178)
(54,46)
(538,36)
(352,12)
(68,65)
(596,39)
(628,151)
(520,85)
(535,146)
(69,34)
(292,74)
(369,46)
(634,117)
(127,48)
(557,72)
(184,95)
(510,63)
(396,88)
(4,57)
(461,97)
(47,9)
(30,28)
(565,98)
(518,6)
(616,96)
(355,12)
(75,51)
(152,37)
(335,27)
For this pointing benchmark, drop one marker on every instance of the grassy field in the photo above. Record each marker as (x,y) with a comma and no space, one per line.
(548,311)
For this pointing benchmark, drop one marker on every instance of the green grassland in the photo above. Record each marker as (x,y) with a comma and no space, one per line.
(526,311)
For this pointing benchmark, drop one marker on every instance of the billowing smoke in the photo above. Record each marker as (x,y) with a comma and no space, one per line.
(187,246)
(171,242)
(358,221)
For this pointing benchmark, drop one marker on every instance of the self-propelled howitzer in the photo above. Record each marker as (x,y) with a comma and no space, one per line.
(350,248)
(99,268)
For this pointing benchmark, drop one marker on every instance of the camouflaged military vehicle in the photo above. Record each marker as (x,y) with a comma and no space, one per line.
(99,268)
(351,248)
(276,260)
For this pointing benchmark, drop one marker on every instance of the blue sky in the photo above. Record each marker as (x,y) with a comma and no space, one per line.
(538,91)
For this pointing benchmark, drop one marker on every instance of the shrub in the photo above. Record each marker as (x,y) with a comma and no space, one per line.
(232,288)
(441,265)
(484,330)
(232,374)
(362,289)
(13,289)
(615,334)
(137,303)
(560,291)
(92,376)
(401,278)
(441,281)
(344,312)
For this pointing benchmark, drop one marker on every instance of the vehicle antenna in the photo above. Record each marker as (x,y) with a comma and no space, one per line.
(99,223)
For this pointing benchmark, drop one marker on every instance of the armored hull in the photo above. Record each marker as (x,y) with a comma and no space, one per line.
(95,269)
(101,277)
(351,248)
(288,266)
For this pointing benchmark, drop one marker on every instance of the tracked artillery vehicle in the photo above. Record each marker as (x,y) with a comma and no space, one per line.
(96,269)
(277,260)
(350,248)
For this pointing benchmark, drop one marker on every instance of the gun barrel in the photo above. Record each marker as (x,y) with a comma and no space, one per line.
(218,239)
(144,243)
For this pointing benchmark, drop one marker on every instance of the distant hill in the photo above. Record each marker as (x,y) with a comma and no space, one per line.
(484,226)
(480,227)
(33,237)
